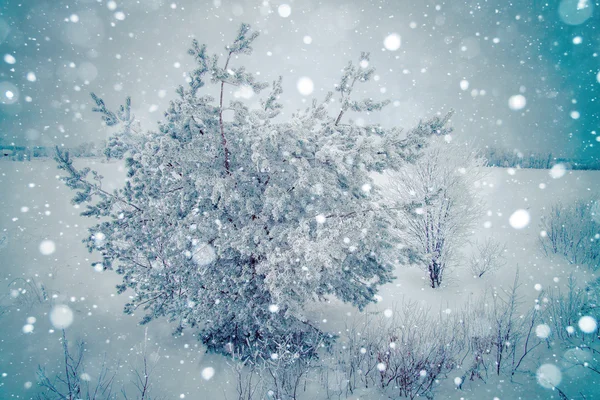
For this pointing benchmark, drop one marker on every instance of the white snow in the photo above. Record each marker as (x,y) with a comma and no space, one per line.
(61,316)
(284,10)
(203,254)
(558,171)
(519,219)
(549,376)
(208,373)
(273,308)
(47,247)
(74,278)
(542,331)
(587,324)
(392,42)
(517,102)
(305,86)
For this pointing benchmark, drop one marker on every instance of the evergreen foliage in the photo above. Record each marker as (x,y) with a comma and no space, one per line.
(231,227)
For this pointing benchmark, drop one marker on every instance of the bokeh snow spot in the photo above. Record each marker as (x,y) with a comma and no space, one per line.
(47,247)
(587,324)
(542,331)
(284,10)
(392,42)
(517,102)
(208,373)
(305,86)
(204,254)
(575,12)
(548,376)
(273,308)
(519,219)
(61,316)
(558,171)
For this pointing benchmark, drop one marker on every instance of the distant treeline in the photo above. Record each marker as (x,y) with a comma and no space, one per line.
(513,159)
(28,153)
(495,157)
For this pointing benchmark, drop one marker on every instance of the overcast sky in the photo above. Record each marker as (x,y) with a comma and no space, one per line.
(523,76)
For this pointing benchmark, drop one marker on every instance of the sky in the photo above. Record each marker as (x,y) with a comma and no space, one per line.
(521,75)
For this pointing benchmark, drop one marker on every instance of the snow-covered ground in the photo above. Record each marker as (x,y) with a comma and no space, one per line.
(35,207)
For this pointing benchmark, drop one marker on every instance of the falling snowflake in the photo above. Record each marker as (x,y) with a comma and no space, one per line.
(392,42)
(519,219)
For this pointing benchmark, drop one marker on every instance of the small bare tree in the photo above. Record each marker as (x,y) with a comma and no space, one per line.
(282,374)
(143,371)
(250,378)
(401,353)
(74,383)
(487,258)
(435,199)
(563,310)
(580,348)
(499,334)
(571,230)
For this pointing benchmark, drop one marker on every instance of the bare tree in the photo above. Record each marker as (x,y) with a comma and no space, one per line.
(499,333)
(487,258)
(435,199)
(571,230)
(282,374)
(143,371)
(73,383)
(401,353)
(563,312)
(24,294)
(250,378)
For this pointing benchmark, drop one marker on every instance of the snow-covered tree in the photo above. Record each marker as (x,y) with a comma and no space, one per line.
(435,198)
(231,225)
